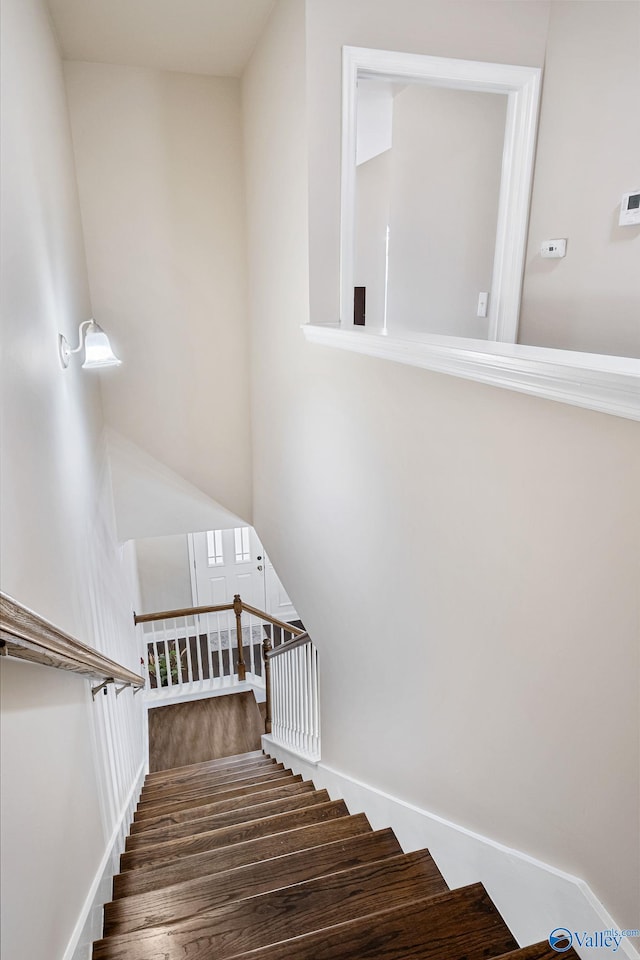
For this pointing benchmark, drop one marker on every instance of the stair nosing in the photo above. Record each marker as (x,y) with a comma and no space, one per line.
(191,801)
(141,874)
(139,827)
(235,758)
(374,837)
(202,784)
(348,875)
(323,807)
(312,798)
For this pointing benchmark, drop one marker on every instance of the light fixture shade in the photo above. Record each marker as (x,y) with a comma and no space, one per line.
(97,349)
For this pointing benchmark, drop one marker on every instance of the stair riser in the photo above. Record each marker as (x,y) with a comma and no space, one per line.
(222,763)
(250,798)
(207,864)
(207,786)
(239,833)
(462,923)
(198,896)
(243,815)
(287,913)
(156,810)
(178,785)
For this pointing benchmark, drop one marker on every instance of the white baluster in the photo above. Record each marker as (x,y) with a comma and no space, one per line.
(155,661)
(252,664)
(199,628)
(167,653)
(286,698)
(307,694)
(176,633)
(291,684)
(230,630)
(189,663)
(275,696)
(283,696)
(297,695)
(316,703)
(208,634)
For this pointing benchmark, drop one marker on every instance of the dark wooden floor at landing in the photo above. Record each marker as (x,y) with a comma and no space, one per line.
(184,733)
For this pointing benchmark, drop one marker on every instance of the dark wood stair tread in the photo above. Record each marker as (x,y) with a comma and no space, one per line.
(278,915)
(280,777)
(539,951)
(218,764)
(201,895)
(239,858)
(187,780)
(462,924)
(259,811)
(272,791)
(209,785)
(236,833)
(224,858)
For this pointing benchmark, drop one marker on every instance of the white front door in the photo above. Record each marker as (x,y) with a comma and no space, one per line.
(229,562)
(224,564)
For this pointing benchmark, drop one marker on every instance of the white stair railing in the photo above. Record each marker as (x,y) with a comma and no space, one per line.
(293,703)
(198,651)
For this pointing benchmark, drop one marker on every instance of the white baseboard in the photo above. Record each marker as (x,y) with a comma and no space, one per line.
(89,924)
(533,897)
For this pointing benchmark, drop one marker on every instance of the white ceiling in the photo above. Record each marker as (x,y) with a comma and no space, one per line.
(193,36)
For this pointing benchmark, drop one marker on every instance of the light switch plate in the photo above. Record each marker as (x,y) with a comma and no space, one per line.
(630,209)
(553,248)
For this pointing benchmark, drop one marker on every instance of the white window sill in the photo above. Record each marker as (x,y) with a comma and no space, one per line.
(595,381)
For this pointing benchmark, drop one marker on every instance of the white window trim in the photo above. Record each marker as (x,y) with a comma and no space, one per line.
(595,381)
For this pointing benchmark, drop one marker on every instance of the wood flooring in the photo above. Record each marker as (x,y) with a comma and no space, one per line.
(187,733)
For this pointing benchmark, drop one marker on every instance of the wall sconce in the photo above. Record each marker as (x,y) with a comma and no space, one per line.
(97,349)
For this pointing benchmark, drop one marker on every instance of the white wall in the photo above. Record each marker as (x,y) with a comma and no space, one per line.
(68,765)
(159,166)
(163,568)
(466,558)
(446,167)
(587,157)
(151,500)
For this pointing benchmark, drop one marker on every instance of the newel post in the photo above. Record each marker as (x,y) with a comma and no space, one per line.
(237,609)
(266,646)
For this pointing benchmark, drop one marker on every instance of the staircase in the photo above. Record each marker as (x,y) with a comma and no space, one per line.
(241,858)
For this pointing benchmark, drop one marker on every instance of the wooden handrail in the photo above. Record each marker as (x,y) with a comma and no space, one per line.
(28,636)
(299,637)
(193,611)
(184,612)
(298,641)
(296,631)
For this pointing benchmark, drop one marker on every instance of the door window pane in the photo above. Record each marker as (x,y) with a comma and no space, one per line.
(241,539)
(215,553)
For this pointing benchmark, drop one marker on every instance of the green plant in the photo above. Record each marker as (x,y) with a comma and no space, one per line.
(160,671)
